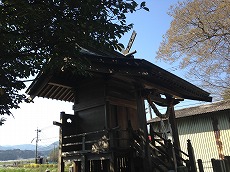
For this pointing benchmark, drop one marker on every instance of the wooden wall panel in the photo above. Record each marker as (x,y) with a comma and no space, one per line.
(92,88)
(122,118)
(120,89)
(91,119)
(132,116)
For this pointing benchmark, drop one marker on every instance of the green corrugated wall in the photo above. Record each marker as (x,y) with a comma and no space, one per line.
(199,130)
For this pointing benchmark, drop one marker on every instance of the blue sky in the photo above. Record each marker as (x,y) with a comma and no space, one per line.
(150,27)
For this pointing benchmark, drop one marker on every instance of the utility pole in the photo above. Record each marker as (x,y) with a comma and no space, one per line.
(36,146)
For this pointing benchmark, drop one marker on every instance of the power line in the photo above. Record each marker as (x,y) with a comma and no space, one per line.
(49,138)
(47,127)
(44,137)
(185,105)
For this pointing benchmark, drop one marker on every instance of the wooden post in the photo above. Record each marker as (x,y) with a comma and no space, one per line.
(152,135)
(83,142)
(107,114)
(111,163)
(200,165)
(218,165)
(83,164)
(192,160)
(141,113)
(227,162)
(143,125)
(60,158)
(175,135)
(75,166)
(171,152)
(107,103)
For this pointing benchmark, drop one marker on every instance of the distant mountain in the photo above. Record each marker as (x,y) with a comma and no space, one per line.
(24,151)
(21,147)
(49,147)
(2,148)
(28,147)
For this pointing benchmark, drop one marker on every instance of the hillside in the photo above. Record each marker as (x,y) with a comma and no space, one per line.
(21,147)
(28,147)
(15,154)
(24,151)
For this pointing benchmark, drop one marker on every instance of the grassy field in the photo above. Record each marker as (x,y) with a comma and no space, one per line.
(30,167)
(25,166)
(21,169)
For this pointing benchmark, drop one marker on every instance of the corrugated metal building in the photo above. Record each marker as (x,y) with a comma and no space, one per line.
(208,128)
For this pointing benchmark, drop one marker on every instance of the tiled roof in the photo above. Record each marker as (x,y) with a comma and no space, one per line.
(199,110)
(203,109)
(58,84)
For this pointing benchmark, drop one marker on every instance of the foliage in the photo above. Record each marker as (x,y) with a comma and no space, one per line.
(34,168)
(199,37)
(30,167)
(53,156)
(2,120)
(226,94)
(32,32)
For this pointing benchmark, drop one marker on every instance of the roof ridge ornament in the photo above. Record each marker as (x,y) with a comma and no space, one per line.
(131,40)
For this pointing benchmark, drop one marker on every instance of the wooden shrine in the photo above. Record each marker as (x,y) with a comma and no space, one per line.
(107,130)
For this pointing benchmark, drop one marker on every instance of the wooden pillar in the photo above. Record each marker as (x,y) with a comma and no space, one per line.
(107,114)
(107,104)
(75,166)
(218,165)
(191,155)
(227,162)
(60,158)
(141,112)
(143,125)
(83,164)
(200,165)
(111,163)
(175,135)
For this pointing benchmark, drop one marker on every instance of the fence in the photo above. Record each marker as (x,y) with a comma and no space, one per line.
(215,165)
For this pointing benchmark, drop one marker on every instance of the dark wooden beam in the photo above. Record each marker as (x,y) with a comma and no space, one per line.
(175,135)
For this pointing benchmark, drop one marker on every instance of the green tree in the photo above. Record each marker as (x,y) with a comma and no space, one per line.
(199,38)
(226,94)
(2,120)
(53,156)
(32,32)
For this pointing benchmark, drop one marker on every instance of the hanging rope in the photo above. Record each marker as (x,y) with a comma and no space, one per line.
(165,116)
(156,111)
(164,130)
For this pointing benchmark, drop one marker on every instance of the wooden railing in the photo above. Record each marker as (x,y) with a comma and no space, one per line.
(85,142)
(162,157)
(190,159)
(156,154)
(96,141)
